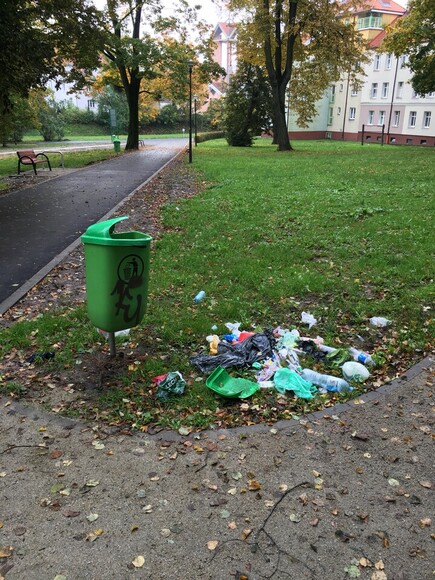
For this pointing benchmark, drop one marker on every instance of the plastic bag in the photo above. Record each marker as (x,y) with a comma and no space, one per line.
(255,348)
(288,380)
(172,384)
(379,321)
(309,319)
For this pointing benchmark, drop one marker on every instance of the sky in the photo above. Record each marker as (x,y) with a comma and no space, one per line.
(208,11)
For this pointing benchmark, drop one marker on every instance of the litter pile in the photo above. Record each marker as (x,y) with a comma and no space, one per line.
(276,357)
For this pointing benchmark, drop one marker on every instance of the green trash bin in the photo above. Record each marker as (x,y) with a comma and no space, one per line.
(117,145)
(117,273)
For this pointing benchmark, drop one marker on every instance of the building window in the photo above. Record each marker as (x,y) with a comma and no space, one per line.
(371,117)
(92,104)
(409,141)
(426,119)
(330,115)
(412,118)
(377,62)
(381,119)
(332,97)
(423,142)
(399,94)
(403,61)
(338,110)
(385,87)
(341,87)
(396,118)
(354,92)
(352,113)
(374,91)
(388,62)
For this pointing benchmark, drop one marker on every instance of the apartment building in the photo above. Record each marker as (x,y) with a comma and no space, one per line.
(385,109)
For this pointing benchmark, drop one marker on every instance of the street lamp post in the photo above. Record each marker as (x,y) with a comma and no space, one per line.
(195,101)
(190,64)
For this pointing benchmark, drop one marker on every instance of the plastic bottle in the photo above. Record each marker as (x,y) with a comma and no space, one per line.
(199,296)
(361,357)
(328,382)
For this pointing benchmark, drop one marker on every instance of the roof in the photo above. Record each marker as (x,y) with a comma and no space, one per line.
(379,38)
(385,6)
(227,29)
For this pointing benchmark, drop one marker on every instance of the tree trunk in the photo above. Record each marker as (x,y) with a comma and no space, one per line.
(280,131)
(133,115)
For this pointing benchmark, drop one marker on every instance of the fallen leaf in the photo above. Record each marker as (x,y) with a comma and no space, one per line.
(92,483)
(253,485)
(98,445)
(378,575)
(232,491)
(165,532)
(212,544)
(138,562)
(236,475)
(426,484)
(425,522)
(92,517)
(246,533)
(365,563)
(393,482)
(296,518)
(70,513)
(92,536)
(379,565)
(56,453)
(232,525)
(134,528)
(6,551)
(283,487)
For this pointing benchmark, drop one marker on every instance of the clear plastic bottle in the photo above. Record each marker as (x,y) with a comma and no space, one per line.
(361,357)
(328,382)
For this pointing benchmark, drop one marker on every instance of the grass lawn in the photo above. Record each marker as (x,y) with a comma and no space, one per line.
(340,230)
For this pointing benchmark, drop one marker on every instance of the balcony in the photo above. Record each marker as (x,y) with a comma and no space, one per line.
(369,22)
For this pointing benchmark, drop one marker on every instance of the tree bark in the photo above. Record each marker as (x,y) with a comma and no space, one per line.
(133,114)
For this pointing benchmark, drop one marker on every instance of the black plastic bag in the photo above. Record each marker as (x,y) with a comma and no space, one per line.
(255,348)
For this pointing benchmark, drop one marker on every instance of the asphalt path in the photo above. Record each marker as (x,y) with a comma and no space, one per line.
(38,223)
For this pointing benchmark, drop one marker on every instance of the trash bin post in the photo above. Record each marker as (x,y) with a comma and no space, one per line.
(117,272)
(117,145)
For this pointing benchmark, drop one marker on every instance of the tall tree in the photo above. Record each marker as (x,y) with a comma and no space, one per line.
(414,35)
(307,43)
(247,105)
(46,40)
(140,58)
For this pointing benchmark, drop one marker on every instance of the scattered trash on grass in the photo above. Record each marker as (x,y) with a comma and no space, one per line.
(309,319)
(327,382)
(379,321)
(288,380)
(40,356)
(172,384)
(199,296)
(361,357)
(255,348)
(354,371)
(125,332)
(223,384)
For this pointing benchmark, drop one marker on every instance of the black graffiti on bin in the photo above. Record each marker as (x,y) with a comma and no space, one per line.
(130,277)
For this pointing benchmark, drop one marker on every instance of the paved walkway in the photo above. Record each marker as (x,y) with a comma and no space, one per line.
(345,493)
(40,222)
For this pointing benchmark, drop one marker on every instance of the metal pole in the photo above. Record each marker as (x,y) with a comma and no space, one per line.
(112,345)
(190,64)
(195,100)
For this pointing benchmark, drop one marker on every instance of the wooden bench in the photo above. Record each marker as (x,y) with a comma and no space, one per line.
(29,157)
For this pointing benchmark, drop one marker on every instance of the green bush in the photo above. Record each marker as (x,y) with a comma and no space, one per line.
(201,137)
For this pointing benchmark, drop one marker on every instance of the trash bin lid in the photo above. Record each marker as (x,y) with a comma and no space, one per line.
(103,234)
